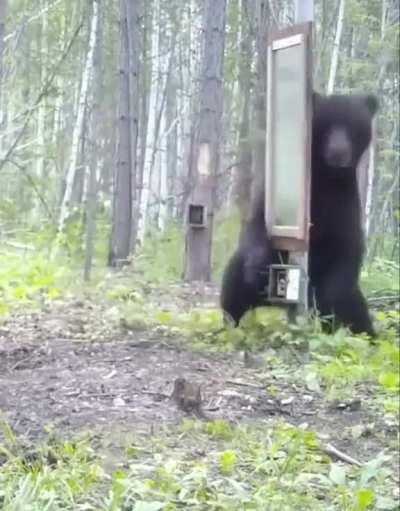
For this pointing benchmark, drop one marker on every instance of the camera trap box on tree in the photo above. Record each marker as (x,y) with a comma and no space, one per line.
(288,160)
(197,215)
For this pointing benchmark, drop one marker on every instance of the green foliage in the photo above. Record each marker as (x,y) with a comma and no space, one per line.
(219,430)
(252,468)
(28,280)
(225,240)
(49,477)
(350,361)
(381,274)
(161,257)
(227,462)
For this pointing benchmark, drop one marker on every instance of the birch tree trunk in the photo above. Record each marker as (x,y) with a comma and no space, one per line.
(43,104)
(370,182)
(78,128)
(190,70)
(122,205)
(145,92)
(95,138)
(207,141)
(241,186)
(154,94)
(3,14)
(336,48)
(161,144)
(261,25)
(171,120)
(132,16)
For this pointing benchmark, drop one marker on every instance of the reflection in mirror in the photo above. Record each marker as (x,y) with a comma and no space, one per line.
(288,134)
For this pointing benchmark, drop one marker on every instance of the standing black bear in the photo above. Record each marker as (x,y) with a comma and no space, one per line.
(341,133)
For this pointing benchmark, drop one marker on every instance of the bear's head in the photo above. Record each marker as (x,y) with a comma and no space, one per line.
(342,129)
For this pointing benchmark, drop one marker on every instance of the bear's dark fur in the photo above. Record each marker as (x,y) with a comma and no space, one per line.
(341,133)
(245,274)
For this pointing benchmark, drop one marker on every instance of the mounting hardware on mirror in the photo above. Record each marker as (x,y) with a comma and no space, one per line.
(286,283)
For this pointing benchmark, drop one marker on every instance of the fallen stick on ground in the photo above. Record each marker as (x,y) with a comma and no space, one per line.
(332,451)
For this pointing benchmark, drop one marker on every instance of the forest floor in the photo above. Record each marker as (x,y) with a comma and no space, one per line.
(76,367)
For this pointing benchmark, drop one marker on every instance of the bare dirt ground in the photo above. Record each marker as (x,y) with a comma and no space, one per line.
(69,368)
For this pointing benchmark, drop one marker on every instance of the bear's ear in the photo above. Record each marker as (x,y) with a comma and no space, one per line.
(372,104)
(316,97)
(316,102)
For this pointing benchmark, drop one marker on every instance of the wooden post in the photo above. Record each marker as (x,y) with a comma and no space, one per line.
(304,11)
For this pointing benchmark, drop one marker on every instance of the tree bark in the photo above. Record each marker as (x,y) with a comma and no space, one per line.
(78,129)
(133,43)
(171,118)
(3,14)
(95,145)
(151,121)
(207,141)
(41,122)
(122,205)
(241,186)
(145,92)
(258,133)
(336,48)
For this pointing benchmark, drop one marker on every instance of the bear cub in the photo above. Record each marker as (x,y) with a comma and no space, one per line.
(341,132)
(245,275)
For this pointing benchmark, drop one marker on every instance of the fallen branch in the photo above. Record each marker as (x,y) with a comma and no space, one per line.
(332,451)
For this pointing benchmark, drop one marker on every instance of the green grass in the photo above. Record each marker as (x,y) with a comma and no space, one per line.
(198,466)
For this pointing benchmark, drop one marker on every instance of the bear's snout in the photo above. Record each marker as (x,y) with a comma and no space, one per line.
(338,151)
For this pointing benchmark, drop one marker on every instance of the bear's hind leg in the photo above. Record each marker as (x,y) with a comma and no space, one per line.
(346,304)
(352,311)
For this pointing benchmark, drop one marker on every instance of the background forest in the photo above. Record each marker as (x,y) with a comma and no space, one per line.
(65,94)
(103,107)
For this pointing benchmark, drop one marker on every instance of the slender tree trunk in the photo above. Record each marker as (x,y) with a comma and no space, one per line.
(336,49)
(146,81)
(122,206)
(190,66)
(80,172)
(3,14)
(372,178)
(162,139)
(207,149)
(154,119)
(95,146)
(42,110)
(261,25)
(133,42)
(78,129)
(151,119)
(241,186)
(171,118)
(370,182)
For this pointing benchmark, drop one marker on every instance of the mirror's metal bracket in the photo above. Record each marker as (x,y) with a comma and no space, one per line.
(287,284)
